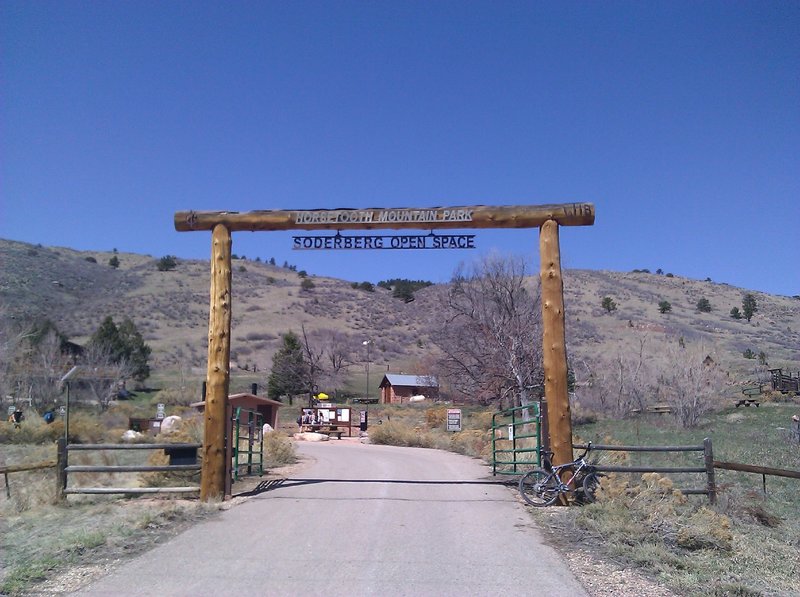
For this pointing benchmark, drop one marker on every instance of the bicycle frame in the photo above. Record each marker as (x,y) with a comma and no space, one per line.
(544,487)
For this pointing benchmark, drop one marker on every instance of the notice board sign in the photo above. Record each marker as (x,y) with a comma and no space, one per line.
(454,419)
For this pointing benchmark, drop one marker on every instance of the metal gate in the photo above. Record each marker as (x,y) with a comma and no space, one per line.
(516,434)
(248,443)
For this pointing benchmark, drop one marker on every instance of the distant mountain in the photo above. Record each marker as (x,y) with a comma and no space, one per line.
(77,289)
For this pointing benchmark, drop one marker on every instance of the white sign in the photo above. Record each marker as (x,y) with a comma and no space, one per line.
(159,411)
(454,419)
(511,432)
(11,410)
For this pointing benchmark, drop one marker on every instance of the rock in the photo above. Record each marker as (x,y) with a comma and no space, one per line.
(171,424)
(130,435)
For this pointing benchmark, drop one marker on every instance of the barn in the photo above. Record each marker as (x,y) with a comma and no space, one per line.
(399,389)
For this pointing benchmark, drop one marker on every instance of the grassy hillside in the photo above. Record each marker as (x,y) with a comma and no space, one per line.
(76,290)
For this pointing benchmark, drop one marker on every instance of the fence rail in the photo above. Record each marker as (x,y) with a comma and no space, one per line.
(64,468)
(21,468)
(708,469)
(760,470)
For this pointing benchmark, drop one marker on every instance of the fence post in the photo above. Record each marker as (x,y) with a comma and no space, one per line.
(61,468)
(709,460)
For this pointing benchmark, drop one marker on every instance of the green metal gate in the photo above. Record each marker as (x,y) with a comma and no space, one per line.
(248,443)
(516,434)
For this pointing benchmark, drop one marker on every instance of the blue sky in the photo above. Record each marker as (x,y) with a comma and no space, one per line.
(680,121)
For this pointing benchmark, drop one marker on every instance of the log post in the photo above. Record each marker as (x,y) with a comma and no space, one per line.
(214,468)
(554,344)
(61,468)
(711,485)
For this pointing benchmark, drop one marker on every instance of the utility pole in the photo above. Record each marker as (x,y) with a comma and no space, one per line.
(367,344)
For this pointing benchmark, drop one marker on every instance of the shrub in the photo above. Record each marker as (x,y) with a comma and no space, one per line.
(167,263)
(705,529)
(278,450)
(307,284)
(114,262)
(664,307)
(395,433)
(435,417)
(608,304)
(472,442)
(91,259)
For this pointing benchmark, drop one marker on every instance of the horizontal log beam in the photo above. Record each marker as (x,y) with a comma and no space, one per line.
(19,468)
(612,448)
(110,490)
(650,469)
(72,447)
(134,468)
(761,470)
(478,216)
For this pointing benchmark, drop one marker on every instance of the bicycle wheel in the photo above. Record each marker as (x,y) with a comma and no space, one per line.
(539,488)
(590,484)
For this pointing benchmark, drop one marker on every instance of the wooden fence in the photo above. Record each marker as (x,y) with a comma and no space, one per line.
(785,382)
(761,470)
(20,468)
(64,468)
(707,469)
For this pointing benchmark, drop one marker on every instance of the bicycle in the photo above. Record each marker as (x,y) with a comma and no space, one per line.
(544,487)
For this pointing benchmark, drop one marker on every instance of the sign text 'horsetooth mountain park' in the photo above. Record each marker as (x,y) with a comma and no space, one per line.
(382,242)
(368,216)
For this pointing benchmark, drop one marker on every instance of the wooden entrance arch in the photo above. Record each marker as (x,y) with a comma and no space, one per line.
(545,217)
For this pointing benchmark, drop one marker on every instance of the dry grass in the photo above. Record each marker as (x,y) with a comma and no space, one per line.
(38,545)
(746,544)
(171,309)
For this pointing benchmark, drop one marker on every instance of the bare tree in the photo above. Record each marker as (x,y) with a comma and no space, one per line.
(490,336)
(36,369)
(690,381)
(102,374)
(679,374)
(328,354)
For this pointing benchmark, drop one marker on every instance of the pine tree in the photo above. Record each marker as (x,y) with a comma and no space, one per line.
(703,305)
(749,306)
(608,304)
(289,371)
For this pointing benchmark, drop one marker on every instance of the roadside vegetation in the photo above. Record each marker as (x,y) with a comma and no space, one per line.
(481,337)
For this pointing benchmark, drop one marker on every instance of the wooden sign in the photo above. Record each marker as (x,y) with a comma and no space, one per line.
(379,242)
(477,216)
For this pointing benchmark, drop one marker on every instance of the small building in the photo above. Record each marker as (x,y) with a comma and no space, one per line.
(400,389)
(264,406)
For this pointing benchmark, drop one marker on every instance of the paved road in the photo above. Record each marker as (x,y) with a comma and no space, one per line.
(359,520)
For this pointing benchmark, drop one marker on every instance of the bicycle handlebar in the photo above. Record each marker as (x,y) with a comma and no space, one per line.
(585,452)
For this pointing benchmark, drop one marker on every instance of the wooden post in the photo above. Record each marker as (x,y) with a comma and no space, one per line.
(61,467)
(214,469)
(708,454)
(554,344)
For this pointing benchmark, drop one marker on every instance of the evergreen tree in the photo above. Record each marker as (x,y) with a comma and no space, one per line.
(114,262)
(167,263)
(749,306)
(664,307)
(608,304)
(703,305)
(124,343)
(735,313)
(289,370)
